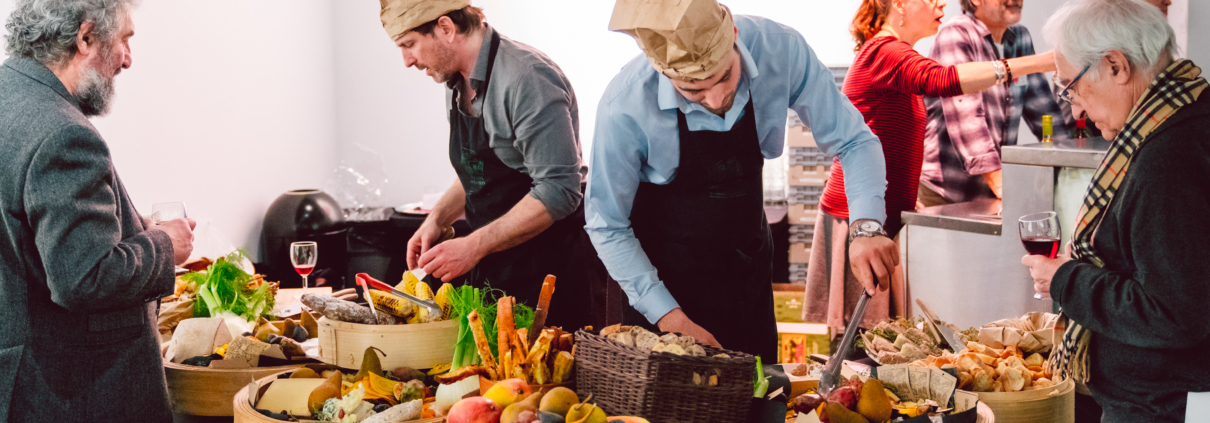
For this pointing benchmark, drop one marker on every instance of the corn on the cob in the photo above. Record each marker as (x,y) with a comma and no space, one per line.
(408,284)
(443,299)
(563,367)
(422,315)
(390,304)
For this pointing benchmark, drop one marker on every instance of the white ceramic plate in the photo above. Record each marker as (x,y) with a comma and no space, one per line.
(411,208)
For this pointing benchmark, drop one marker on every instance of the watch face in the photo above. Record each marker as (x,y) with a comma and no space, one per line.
(869,226)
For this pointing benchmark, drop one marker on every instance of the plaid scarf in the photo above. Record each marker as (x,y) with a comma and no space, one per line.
(1175,87)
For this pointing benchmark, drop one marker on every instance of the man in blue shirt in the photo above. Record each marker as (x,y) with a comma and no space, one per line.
(675,182)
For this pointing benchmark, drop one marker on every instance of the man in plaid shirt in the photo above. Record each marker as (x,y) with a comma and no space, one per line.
(964,134)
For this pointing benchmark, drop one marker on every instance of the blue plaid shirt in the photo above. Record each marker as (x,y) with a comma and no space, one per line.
(965,133)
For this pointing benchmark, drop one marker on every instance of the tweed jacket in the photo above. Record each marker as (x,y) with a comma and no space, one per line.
(79,274)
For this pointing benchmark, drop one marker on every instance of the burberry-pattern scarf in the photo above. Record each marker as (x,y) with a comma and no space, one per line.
(1175,87)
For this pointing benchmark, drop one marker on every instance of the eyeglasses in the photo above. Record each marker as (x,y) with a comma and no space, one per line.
(1065,93)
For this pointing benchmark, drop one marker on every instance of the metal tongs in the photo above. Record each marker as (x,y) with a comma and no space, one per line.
(830,378)
(428,304)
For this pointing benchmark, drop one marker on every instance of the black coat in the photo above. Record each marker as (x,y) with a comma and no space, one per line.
(79,274)
(1149,307)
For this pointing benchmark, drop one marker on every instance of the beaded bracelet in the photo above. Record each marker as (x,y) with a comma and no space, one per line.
(1009,70)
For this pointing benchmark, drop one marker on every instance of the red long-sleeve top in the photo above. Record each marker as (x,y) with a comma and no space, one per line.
(887,83)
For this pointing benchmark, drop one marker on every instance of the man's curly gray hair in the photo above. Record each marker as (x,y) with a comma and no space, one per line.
(46,30)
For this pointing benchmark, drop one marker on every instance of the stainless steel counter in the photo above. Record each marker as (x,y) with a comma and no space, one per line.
(979,216)
(1084,154)
(966,261)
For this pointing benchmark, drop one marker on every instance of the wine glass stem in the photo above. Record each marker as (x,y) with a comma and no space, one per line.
(304,282)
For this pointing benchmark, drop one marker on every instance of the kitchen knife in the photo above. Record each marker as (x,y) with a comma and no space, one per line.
(946,332)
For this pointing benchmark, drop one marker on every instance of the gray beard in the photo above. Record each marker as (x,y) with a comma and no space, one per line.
(94,93)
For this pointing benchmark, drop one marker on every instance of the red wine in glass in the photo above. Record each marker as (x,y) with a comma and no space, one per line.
(1040,234)
(1041,245)
(303,255)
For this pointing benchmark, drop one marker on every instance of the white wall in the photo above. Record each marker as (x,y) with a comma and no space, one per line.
(228,104)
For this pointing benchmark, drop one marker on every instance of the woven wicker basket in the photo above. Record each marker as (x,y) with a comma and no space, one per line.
(627,381)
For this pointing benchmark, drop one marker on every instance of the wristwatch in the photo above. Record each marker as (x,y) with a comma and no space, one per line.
(866,228)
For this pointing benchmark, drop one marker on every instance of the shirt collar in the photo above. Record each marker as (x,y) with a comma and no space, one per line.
(479,74)
(669,98)
(39,72)
(1009,38)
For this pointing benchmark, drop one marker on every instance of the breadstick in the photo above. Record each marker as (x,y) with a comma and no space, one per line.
(485,351)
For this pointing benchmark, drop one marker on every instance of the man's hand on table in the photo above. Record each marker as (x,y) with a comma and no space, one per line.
(181,233)
(995,181)
(677,321)
(452,258)
(872,259)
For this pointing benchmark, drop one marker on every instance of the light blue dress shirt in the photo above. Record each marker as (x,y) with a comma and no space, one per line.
(637,141)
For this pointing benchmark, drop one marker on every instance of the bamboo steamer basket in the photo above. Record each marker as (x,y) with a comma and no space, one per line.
(419,346)
(202,391)
(245,413)
(1056,404)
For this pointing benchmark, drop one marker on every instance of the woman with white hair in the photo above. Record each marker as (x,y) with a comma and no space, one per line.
(1134,283)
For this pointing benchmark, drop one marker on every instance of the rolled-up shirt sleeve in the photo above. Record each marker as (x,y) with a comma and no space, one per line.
(541,108)
(839,130)
(618,153)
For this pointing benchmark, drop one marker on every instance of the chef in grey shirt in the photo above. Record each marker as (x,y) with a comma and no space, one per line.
(515,145)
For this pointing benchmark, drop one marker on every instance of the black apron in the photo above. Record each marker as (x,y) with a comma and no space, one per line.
(492,189)
(706,234)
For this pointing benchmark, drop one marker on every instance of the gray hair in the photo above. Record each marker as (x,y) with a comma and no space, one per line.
(46,30)
(1083,31)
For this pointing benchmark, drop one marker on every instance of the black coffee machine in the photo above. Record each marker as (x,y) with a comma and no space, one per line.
(304,215)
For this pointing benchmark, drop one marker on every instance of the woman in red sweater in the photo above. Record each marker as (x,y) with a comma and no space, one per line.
(886,84)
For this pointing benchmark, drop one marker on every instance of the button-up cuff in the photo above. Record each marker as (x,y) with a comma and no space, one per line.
(983,163)
(867,208)
(656,303)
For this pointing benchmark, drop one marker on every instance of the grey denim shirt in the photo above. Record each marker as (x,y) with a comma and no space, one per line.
(529,111)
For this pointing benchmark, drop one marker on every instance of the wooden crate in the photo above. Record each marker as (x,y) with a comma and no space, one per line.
(802,214)
(202,391)
(246,413)
(800,253)
(799,136)
(419,346)
(807,175)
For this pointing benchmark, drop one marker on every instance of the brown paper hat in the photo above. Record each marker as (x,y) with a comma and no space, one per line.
(683,39)
(400,16)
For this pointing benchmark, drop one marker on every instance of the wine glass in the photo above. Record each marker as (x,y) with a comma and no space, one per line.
(167,211)
(1040,234)
(303,254)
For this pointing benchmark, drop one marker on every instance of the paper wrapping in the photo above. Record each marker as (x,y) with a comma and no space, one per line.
(1032,333)
(171,315)
(683,39)
(400,16)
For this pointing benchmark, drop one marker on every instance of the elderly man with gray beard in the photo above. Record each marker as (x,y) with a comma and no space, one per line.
(80,270)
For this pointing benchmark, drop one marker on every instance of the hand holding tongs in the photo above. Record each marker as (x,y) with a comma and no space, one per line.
(830,378)
(363,279)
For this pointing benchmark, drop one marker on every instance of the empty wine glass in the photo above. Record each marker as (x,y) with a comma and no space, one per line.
(1040,233)
(304,255)
(167,211)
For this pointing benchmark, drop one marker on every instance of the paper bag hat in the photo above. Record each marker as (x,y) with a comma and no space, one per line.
(400,16)
(683,39)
